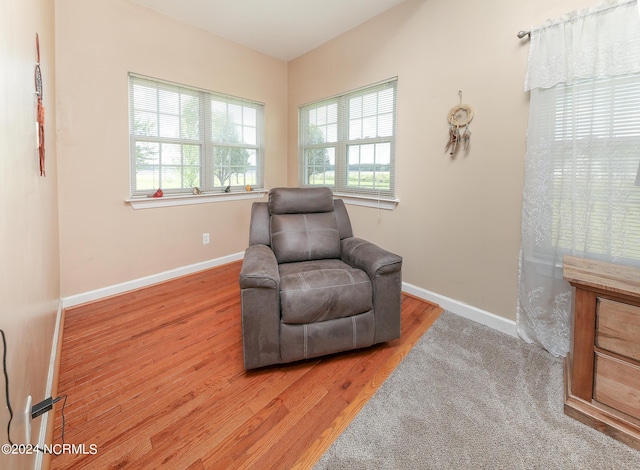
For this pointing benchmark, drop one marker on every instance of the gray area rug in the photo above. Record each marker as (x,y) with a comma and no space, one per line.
(470,397)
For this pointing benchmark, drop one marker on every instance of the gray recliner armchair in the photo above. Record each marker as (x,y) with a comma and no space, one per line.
(308,286)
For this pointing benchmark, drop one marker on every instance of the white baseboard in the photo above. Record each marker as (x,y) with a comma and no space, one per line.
(455,306)
(146,281)
(44,422)
(464,310)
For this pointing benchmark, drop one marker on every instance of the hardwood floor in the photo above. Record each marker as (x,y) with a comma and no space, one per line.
(154,378)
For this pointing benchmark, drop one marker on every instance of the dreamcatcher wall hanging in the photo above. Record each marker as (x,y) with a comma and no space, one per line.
(459,118)
(40,110)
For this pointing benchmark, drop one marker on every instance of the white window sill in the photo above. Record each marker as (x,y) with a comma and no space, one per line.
(188,199)
(366,201)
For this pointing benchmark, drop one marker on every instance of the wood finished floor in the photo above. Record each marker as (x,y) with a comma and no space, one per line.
(154,378)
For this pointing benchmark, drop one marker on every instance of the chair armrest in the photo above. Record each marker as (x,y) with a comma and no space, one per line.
(369,257)
(260,303)
(259,268)
(385,271)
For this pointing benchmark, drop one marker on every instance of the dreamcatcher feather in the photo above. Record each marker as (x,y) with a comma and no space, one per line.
(40,111)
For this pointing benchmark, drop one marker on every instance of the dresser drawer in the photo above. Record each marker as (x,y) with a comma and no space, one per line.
(618,328)
(616,384)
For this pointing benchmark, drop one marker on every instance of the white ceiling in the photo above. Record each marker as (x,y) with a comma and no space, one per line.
(283,29)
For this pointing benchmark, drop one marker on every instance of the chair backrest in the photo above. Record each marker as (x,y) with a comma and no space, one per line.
(300,224)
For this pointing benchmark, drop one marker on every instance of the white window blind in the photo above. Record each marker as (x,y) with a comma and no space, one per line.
(348,142)
(593,136)
(184,138)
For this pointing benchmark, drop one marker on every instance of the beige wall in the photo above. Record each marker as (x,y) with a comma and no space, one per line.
(103,240)
(458,222)
(29,254)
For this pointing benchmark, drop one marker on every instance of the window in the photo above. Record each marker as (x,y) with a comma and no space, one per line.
(348,142)
(593,134)
(184,138)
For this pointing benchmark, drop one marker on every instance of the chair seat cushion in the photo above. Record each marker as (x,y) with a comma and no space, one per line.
(314,291)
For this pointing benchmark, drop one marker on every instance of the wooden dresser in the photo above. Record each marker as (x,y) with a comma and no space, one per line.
(602,370)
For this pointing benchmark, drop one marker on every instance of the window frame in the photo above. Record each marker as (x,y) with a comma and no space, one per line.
(207,185)
(375,196)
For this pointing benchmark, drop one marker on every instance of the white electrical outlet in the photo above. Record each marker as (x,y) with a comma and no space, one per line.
(27,421)
(205,238)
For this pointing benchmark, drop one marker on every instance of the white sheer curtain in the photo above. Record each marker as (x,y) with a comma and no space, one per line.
(583,149)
